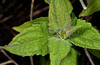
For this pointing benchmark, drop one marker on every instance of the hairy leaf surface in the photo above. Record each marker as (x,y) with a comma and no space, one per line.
(30,23)
(86,36)
(66,32)
(59,14)
(92,7)
(71,30)
(71,58)
(74,19)
(58,49)
(32,40)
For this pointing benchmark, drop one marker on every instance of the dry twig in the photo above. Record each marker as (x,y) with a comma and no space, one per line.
(83,5)
(89,57)
(6,62)
(8,56)
(85,49)
(6,18)
(31,12)
(39,11)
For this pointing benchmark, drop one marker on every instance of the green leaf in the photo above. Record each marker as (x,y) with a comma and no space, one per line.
(86,36)
(92,7)
(42,60)
(32,40)
(30,23)
(71,58)
(66,32)
(95,52)
(74,19)
(47,1)
(59,14)
(71,30)
(58,49)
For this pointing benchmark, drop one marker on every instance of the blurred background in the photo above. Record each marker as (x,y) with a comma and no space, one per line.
(16,12)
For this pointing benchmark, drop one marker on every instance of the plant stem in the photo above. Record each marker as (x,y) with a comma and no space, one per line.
(31,12)
(8,56)
(1,47)
(85,49)
(31,60)
(89,57)
(6,62)
(83,5)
